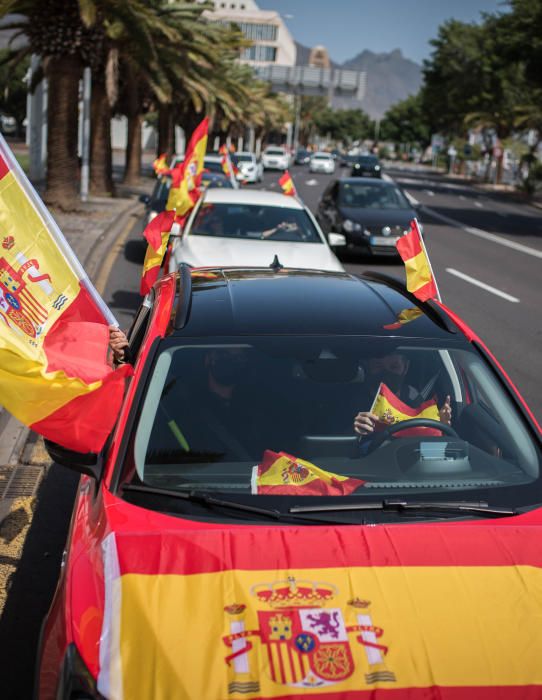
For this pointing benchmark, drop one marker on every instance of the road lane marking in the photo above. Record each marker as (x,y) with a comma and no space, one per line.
(311,183)
(105,271)
(482,285)
(479,205)
(462,197)
(484,234)
(411,199)
(430,193)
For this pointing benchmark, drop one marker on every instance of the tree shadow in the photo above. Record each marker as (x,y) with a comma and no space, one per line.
(124,300)
(134,251)
(33,583)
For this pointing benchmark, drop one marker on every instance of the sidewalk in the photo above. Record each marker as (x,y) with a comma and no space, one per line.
(91,231)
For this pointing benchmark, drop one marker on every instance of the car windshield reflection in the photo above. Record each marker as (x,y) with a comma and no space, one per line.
(372,196)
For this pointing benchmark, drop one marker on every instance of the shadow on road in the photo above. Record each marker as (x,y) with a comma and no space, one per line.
(33,584)
(125,301)
(134,251)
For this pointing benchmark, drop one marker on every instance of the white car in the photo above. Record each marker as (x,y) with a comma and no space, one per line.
(248,228)
(275,158)
(250,168)
(212,162)
(322,163)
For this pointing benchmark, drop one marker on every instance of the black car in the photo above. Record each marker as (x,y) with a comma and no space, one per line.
(370,213)
(156,202)
(366,166)
(302,156)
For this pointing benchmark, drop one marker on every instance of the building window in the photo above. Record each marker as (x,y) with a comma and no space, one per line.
(259,32)
(260,53)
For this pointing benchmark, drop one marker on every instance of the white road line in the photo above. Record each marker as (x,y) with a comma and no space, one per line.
(484,234)
(430,193)
(479,205)
(462,197)
(482,285)
(411,198)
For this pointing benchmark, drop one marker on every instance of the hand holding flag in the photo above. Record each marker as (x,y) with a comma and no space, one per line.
(419,273)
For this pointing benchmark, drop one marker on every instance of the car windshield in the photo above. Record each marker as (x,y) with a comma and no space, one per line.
(368,160)
(322,156)
(242,415)
(243,158)
(372,196)
(213,166)
(254,221)
(215,180)
(275,152)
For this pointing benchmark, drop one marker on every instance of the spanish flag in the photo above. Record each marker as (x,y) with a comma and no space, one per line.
(228,166)
(403,317)
(389,409)
(419,275)
(160,165)
(280,474)
(54,337)
(287,184)
(186,177)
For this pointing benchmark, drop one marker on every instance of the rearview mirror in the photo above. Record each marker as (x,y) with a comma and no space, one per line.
(336,240)
(84,463)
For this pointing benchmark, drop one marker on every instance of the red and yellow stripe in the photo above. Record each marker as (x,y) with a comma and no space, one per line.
(420,280)
(184,192)
(287,184)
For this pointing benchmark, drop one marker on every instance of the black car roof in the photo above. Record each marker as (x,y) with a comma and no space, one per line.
(375,181)
(298,302)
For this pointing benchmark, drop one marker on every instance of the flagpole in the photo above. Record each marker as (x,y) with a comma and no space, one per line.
(427,257)
(54,230)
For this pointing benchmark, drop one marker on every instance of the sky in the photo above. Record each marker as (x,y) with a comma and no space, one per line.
(347,27)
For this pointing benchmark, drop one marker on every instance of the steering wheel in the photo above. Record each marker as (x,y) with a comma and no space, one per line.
(407,425)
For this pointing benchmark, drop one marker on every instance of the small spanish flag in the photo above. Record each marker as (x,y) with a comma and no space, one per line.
(280,474)
(419,275)
(287,184)
(157,235)
(186,177)
(403,317)
(160,165)
(389,409)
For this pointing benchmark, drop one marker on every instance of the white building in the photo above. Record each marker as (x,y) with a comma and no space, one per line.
(272,42)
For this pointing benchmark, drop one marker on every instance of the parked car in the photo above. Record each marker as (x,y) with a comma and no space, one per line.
(275,158)
(250,227)
(370,213)
(232,538)
(250,167)
(302,156)
(157,200)
(366,166)
(322,163)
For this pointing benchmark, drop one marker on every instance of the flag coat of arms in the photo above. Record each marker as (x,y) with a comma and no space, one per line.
(389,409)
(54,338)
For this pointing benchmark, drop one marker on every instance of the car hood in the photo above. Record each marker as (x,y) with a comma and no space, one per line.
(382,217)
(210,251)
(195,610)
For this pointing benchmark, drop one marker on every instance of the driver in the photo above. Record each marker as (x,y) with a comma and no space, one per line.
(391,369)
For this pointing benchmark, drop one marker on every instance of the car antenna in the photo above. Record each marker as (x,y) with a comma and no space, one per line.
(276,264)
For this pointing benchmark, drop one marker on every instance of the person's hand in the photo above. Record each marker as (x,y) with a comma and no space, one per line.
(364,423)
(445,412)
(117,342)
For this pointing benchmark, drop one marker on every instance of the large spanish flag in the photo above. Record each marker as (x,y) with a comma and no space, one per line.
(287,184)
(282,474)
(184,192)
(389,409)
(419,275)
(54,338)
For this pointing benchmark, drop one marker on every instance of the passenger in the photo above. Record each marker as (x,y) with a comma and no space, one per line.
(391,369)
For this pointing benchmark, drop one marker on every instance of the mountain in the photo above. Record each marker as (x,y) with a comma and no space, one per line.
(390,78)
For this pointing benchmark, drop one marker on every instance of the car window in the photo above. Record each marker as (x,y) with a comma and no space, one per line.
(372,196)
(252,221)
(215,411)
(213,166)
(160,193)
(242,158)
(275,152)
(322,156)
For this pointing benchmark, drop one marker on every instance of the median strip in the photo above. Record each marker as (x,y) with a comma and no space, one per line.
(482,285)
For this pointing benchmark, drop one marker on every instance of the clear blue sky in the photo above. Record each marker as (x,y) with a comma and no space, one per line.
(346,27)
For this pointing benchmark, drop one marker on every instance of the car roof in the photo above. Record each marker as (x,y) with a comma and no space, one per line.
(377,182)
(279,301)
(257,197)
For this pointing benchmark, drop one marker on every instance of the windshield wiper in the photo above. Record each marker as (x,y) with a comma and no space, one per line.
(207,500)
(400,506)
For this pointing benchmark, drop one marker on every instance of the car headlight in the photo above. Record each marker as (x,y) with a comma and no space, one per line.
(377,167)
(350,226)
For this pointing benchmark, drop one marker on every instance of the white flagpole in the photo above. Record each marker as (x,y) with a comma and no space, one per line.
(422,243)
(51,225)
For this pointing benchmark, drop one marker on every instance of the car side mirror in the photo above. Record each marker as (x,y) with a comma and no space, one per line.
(144,198)
(84,463)
(336,240)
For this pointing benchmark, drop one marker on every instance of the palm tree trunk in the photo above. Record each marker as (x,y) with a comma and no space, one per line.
(132,170)
(101,165)
(63,170)
(166,131)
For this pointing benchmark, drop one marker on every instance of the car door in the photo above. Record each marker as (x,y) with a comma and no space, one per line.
(329,211)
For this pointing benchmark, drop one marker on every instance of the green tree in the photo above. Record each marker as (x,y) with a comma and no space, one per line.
(407,122)
(13,88)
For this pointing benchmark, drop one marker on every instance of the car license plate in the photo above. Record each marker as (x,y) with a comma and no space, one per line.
(383,240)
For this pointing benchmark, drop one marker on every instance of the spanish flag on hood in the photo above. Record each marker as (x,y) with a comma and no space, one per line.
(54,336)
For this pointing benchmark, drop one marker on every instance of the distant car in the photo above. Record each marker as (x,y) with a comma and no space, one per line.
(371,214)
(302,156)
(8,124)
(250,168)
(156,202)
(275,158)
(347,160)
(212,163)
(366,166)
(322,163)
(249,228)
